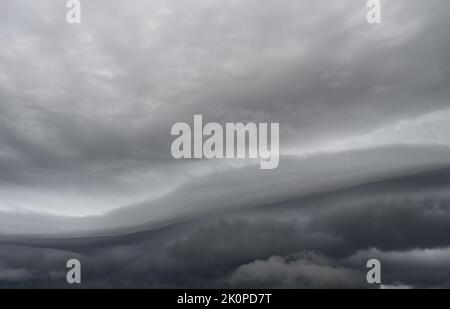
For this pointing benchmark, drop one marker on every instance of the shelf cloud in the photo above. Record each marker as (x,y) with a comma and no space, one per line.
(86,171)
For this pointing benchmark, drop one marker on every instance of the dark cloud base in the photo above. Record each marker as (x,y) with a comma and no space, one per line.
(85,118)
(319,241)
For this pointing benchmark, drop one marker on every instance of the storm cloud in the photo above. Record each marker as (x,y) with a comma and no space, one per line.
(85,164)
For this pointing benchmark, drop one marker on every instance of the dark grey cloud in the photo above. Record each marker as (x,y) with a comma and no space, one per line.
(85,164)
(390,225)
(307,270)
(318,241)
(228,189)
(87,109)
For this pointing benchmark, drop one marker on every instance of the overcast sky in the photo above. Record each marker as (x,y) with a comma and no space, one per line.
(86,111)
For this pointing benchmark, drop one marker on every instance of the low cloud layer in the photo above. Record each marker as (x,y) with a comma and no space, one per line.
(318,241)
(86,169)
